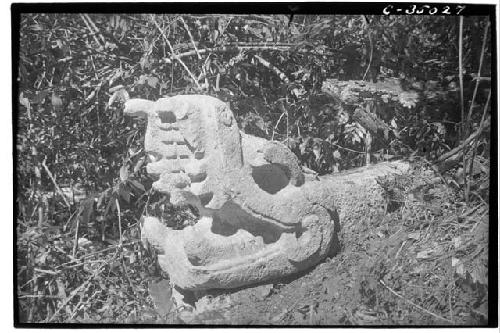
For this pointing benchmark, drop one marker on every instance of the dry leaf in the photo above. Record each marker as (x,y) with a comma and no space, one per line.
(40,97)
(414,235)
(83,242)
(56,101)
(424,254)
(123,173)
(61,291)
(24,102)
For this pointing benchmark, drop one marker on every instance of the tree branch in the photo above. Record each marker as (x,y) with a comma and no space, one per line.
(371,45)
(91,30)
(478,72)
(273,68)
(59,191)
(172,52)
(191,37)
(456,150)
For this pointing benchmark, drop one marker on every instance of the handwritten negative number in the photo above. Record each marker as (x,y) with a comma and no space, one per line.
(422,10)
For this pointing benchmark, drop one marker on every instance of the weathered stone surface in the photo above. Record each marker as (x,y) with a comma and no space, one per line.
(260,219)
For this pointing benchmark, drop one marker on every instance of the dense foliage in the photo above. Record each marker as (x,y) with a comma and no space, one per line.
(76,71)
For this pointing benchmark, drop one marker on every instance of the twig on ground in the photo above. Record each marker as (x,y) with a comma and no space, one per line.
(400,248)
(413,304)
(45,271)
(59,191)
(39,296)
(479,313)
(290,308)
(80,303)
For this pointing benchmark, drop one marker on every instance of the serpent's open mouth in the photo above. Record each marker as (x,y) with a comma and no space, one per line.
(209,251)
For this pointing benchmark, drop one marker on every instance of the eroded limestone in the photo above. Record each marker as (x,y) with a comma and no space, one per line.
(260,219)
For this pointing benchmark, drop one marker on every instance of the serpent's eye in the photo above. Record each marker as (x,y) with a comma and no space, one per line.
(167,117)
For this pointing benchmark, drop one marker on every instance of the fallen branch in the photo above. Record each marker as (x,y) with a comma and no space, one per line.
(415,305)
(38,296)
(471,137)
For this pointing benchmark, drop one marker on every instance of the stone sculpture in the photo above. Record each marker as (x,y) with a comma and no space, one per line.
(260,219)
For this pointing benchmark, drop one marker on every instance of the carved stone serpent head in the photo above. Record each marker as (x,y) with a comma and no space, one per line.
(259,219)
